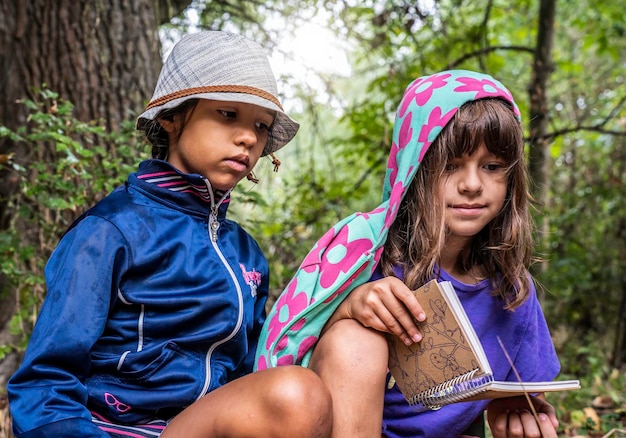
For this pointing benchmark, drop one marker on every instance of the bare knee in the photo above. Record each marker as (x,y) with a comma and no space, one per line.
(352,361)
(282,402)
(350,345)
(301,403)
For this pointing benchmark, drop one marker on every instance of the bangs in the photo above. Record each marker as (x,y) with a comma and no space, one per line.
(488,121)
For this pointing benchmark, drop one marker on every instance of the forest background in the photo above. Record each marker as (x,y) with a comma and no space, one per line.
(74,75)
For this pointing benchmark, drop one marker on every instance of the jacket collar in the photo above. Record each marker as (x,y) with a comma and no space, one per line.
(191,192)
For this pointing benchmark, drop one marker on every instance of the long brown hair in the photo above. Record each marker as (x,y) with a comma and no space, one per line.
(504,247)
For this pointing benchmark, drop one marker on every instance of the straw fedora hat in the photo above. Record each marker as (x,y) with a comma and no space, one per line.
(220,66)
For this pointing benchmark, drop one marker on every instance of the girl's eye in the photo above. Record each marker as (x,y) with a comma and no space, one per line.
(449,167)
(227,114)
(494,167)
(262,126)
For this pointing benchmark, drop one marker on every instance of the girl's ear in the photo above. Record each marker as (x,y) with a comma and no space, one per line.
(168,124)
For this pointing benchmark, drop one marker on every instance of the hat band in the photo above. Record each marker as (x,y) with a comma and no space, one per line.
(215,89)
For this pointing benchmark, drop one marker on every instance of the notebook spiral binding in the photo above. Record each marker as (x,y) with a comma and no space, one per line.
(453,390)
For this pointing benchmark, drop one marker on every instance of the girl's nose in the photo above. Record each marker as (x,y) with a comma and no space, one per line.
(246,136)
(470,181)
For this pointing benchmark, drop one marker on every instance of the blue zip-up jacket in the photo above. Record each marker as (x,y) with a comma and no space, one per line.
(153,299)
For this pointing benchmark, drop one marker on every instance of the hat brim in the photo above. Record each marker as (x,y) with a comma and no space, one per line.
(282,131)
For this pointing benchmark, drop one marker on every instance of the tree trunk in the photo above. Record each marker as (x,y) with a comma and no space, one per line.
(539,161)
(539,155)
(619,349)
(104,57)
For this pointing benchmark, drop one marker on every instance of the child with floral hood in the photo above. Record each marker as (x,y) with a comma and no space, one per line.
(455,207)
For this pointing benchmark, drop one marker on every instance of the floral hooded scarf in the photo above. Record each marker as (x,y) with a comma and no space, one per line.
(347,254)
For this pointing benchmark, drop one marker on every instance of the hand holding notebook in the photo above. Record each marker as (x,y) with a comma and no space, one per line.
(449,365)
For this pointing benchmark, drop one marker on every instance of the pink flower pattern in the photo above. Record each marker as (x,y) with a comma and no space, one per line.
(394,203)
(392,165)
(330,269)
(371,213)
(290,303)
(313,259)
(345,284)
(485,88)
(436,122)
(420,95)
(397,148)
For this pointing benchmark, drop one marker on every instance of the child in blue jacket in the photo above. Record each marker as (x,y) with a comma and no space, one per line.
(155,300)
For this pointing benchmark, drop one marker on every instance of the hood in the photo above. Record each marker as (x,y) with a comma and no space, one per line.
(347,254)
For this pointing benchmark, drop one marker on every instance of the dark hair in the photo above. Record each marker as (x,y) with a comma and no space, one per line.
(158,136)
(504,246)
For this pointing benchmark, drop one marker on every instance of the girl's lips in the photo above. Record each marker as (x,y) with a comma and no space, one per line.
(468,210)
(238,163)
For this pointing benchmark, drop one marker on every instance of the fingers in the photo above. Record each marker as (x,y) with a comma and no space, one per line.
(388,305)
(546,411)
(402,294)
(523,424)
(547,426)
(397,321)
(511,418)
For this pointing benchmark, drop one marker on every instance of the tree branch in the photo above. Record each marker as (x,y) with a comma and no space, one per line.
(167,9)
(486,50)
(591,128)
(598,127)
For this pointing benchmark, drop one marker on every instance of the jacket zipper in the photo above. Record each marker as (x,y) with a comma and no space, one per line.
(214,224)
(213,228)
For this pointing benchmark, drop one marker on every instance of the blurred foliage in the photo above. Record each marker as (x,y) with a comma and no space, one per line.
(52,189)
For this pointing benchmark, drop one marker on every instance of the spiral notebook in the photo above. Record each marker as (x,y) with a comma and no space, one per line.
(449,365)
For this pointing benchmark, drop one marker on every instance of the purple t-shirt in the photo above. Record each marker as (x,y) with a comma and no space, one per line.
(524,333)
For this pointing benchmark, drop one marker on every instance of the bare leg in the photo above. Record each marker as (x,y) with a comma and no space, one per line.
(352,362)
(288,401)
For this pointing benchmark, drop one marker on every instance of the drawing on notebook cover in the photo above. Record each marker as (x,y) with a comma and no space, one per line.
(437,356)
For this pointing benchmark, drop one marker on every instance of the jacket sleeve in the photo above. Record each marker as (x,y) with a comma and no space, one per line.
(47,391)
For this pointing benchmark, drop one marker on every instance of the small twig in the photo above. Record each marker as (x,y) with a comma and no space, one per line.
(519,379)
(611,432)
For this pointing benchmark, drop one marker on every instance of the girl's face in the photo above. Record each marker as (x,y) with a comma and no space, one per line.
(473,189)
(221,140)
